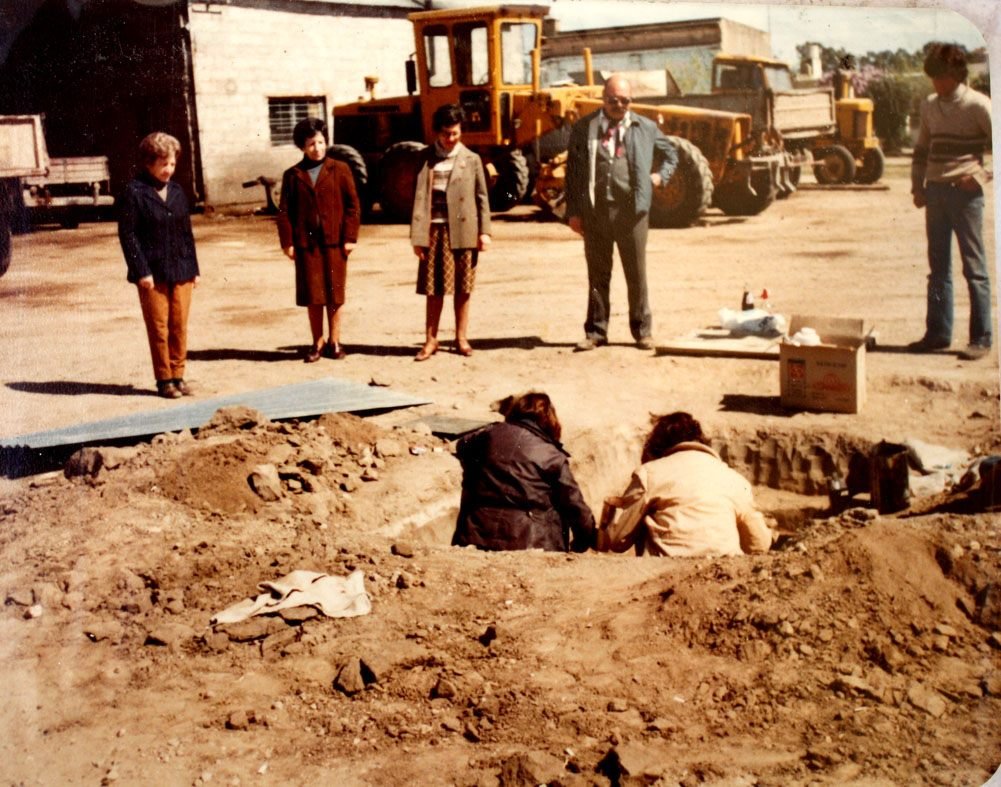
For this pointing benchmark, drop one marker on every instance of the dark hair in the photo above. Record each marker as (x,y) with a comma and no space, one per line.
(535,406)
(670,430)
(306,129)
(447,115)
(946,60)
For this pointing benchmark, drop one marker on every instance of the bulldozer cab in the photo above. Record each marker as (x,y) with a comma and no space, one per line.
(479,58)
(750,73)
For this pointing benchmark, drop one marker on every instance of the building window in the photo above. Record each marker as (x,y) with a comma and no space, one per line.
(284,113)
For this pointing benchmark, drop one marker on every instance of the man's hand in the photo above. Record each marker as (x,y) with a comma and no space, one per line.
(968,183)
(145,283)
(919,199)
(655,179)
(348,248)
(290,252)
(484,244)
(576,224)
(420,251)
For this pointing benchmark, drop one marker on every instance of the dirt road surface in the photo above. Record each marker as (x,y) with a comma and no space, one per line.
(864,649)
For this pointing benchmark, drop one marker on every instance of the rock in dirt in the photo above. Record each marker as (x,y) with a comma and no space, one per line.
(85,462)
(265,482)
(297,615)
(104,630)
(530,768)
(171,635)
(444,689)
(928,700)
(253,628)
(227,420)
(243,719)
(387,447)
(633,763)
(20,598)
(353,676)
(402,549)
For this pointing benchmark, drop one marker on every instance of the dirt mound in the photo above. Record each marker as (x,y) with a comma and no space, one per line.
(864,650)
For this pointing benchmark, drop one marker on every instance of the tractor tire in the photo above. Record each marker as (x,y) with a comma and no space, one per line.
(4,248)
(835,164)
(511,183)
(873,164)
(689,192)
(355,163)
(735,200)
(398,180)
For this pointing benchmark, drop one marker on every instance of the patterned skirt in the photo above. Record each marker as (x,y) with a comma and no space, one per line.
(444,270)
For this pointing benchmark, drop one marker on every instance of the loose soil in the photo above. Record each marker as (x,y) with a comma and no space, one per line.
(864,649)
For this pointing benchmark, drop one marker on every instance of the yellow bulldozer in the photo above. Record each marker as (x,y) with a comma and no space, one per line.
(486,59)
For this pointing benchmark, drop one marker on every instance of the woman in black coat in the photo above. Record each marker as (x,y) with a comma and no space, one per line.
(517,488)
(154,228)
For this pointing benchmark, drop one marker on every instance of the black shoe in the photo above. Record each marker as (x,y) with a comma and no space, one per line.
(183,387)
(974,352)
(926,345)
(168,390)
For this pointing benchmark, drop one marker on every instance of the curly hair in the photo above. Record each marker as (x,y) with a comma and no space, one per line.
(946,60)
(535,406)
(156,146)
(670,430)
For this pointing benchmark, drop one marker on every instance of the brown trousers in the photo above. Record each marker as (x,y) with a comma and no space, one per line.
(165,310)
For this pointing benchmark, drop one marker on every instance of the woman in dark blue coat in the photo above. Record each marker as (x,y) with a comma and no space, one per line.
(154,227)
(517,488)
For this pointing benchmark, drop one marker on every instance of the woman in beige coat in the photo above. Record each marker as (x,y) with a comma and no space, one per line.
(684,501)
(449,227)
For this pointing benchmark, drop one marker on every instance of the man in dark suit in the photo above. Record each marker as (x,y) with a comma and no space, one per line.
(609,185)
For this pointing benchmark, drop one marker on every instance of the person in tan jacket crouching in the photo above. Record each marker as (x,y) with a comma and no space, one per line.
(683,500)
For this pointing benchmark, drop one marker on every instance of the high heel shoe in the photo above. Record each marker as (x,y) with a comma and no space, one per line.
(426,351)
(334,351)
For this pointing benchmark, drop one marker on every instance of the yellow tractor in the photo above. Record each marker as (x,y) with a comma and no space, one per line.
(486,60)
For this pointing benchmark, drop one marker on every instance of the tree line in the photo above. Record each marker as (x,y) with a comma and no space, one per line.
(894,80)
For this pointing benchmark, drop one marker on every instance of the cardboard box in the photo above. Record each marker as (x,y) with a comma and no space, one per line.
(829,376)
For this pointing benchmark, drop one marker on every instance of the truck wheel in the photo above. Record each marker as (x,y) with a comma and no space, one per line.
(511,182)
(4,249)
(873,163)
(689,192)
(736,199)
(835,164)
(398,179)
(356,164)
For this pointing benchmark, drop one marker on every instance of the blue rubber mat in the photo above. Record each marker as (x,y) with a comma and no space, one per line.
(286,401)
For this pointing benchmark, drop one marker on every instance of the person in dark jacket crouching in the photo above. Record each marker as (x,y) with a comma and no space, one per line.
(517,488)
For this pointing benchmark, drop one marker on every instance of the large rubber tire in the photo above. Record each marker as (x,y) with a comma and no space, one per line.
(4,248)
(398,180)
(356,164)
(835,164)
(689,192)
(735,200)
(511,182)
(873,164)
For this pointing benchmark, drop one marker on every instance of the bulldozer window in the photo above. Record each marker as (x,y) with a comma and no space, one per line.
(436,50)
(778,78)
(518,39)
(472,63)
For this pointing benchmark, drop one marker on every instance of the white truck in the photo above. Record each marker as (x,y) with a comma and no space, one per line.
(35,188)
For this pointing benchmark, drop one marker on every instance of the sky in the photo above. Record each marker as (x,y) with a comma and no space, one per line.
(871,26)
